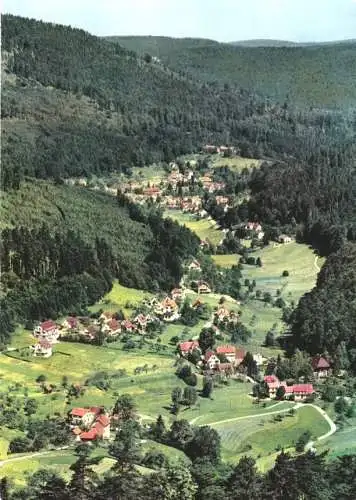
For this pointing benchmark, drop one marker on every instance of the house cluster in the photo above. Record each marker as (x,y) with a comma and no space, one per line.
(89,424)
(211,149)
(232,356)
(223,315)
(254,229)
(298,392)
(47,333)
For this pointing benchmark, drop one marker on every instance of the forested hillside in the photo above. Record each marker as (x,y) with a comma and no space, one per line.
(310,75)
(325,318)
(74,104)
(62,247)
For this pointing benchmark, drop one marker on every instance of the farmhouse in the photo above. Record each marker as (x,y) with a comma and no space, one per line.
(42,349)
(89,424)
(105,316)
(201,287)
(321,367)
(48,330)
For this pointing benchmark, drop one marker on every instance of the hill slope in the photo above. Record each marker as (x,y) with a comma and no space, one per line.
(305,74)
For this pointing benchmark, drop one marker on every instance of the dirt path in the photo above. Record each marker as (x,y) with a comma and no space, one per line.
(316,263)
(234,419)
(32,455)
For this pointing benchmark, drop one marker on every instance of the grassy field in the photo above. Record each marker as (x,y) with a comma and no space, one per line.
(119,298)
(298,259)
(205,229)
(237,163)
(264,435)
(227,260)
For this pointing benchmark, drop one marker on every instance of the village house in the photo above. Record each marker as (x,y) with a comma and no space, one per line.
(222,200)
(42,349)
(47,330)
(253,226)
(201,287)
(89,424)
(283,238)
(194,266)
(259,359)
(177,294)
(204,244)
(321,367)
(210,148)
(127,326)
(211,360)
(113,327)
(273,383)
(222,314)
(188,347)
(141,321)
(106,316)
(70,323)
(233,354)
(296,391)
(152,192)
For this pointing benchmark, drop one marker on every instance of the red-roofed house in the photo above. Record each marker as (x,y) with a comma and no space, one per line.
(186,348)
(321,367)
(114,327)
(127,325)
(70,323)
(47,329)
(273,383)
(211,360)
(102,427)
(90,435)
(299,391)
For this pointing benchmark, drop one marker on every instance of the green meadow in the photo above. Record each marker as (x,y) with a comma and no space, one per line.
(205,229)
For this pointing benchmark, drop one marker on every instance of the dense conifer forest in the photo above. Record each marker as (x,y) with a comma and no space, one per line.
(314,74)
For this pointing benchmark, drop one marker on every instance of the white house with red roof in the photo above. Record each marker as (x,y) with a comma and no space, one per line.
(42,349)
(47,330)
(177,294)
(321,367)
(211,360)
(112,327)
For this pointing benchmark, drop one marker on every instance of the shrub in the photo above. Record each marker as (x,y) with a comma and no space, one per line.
(285,274)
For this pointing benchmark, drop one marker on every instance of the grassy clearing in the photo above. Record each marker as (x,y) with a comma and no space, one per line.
(298,259)
(205,229)
(227,260)
(237,163)
(119,297)
(263,436)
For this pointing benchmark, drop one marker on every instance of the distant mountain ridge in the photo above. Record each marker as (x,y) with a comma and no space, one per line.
(304,74)
(269,42)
